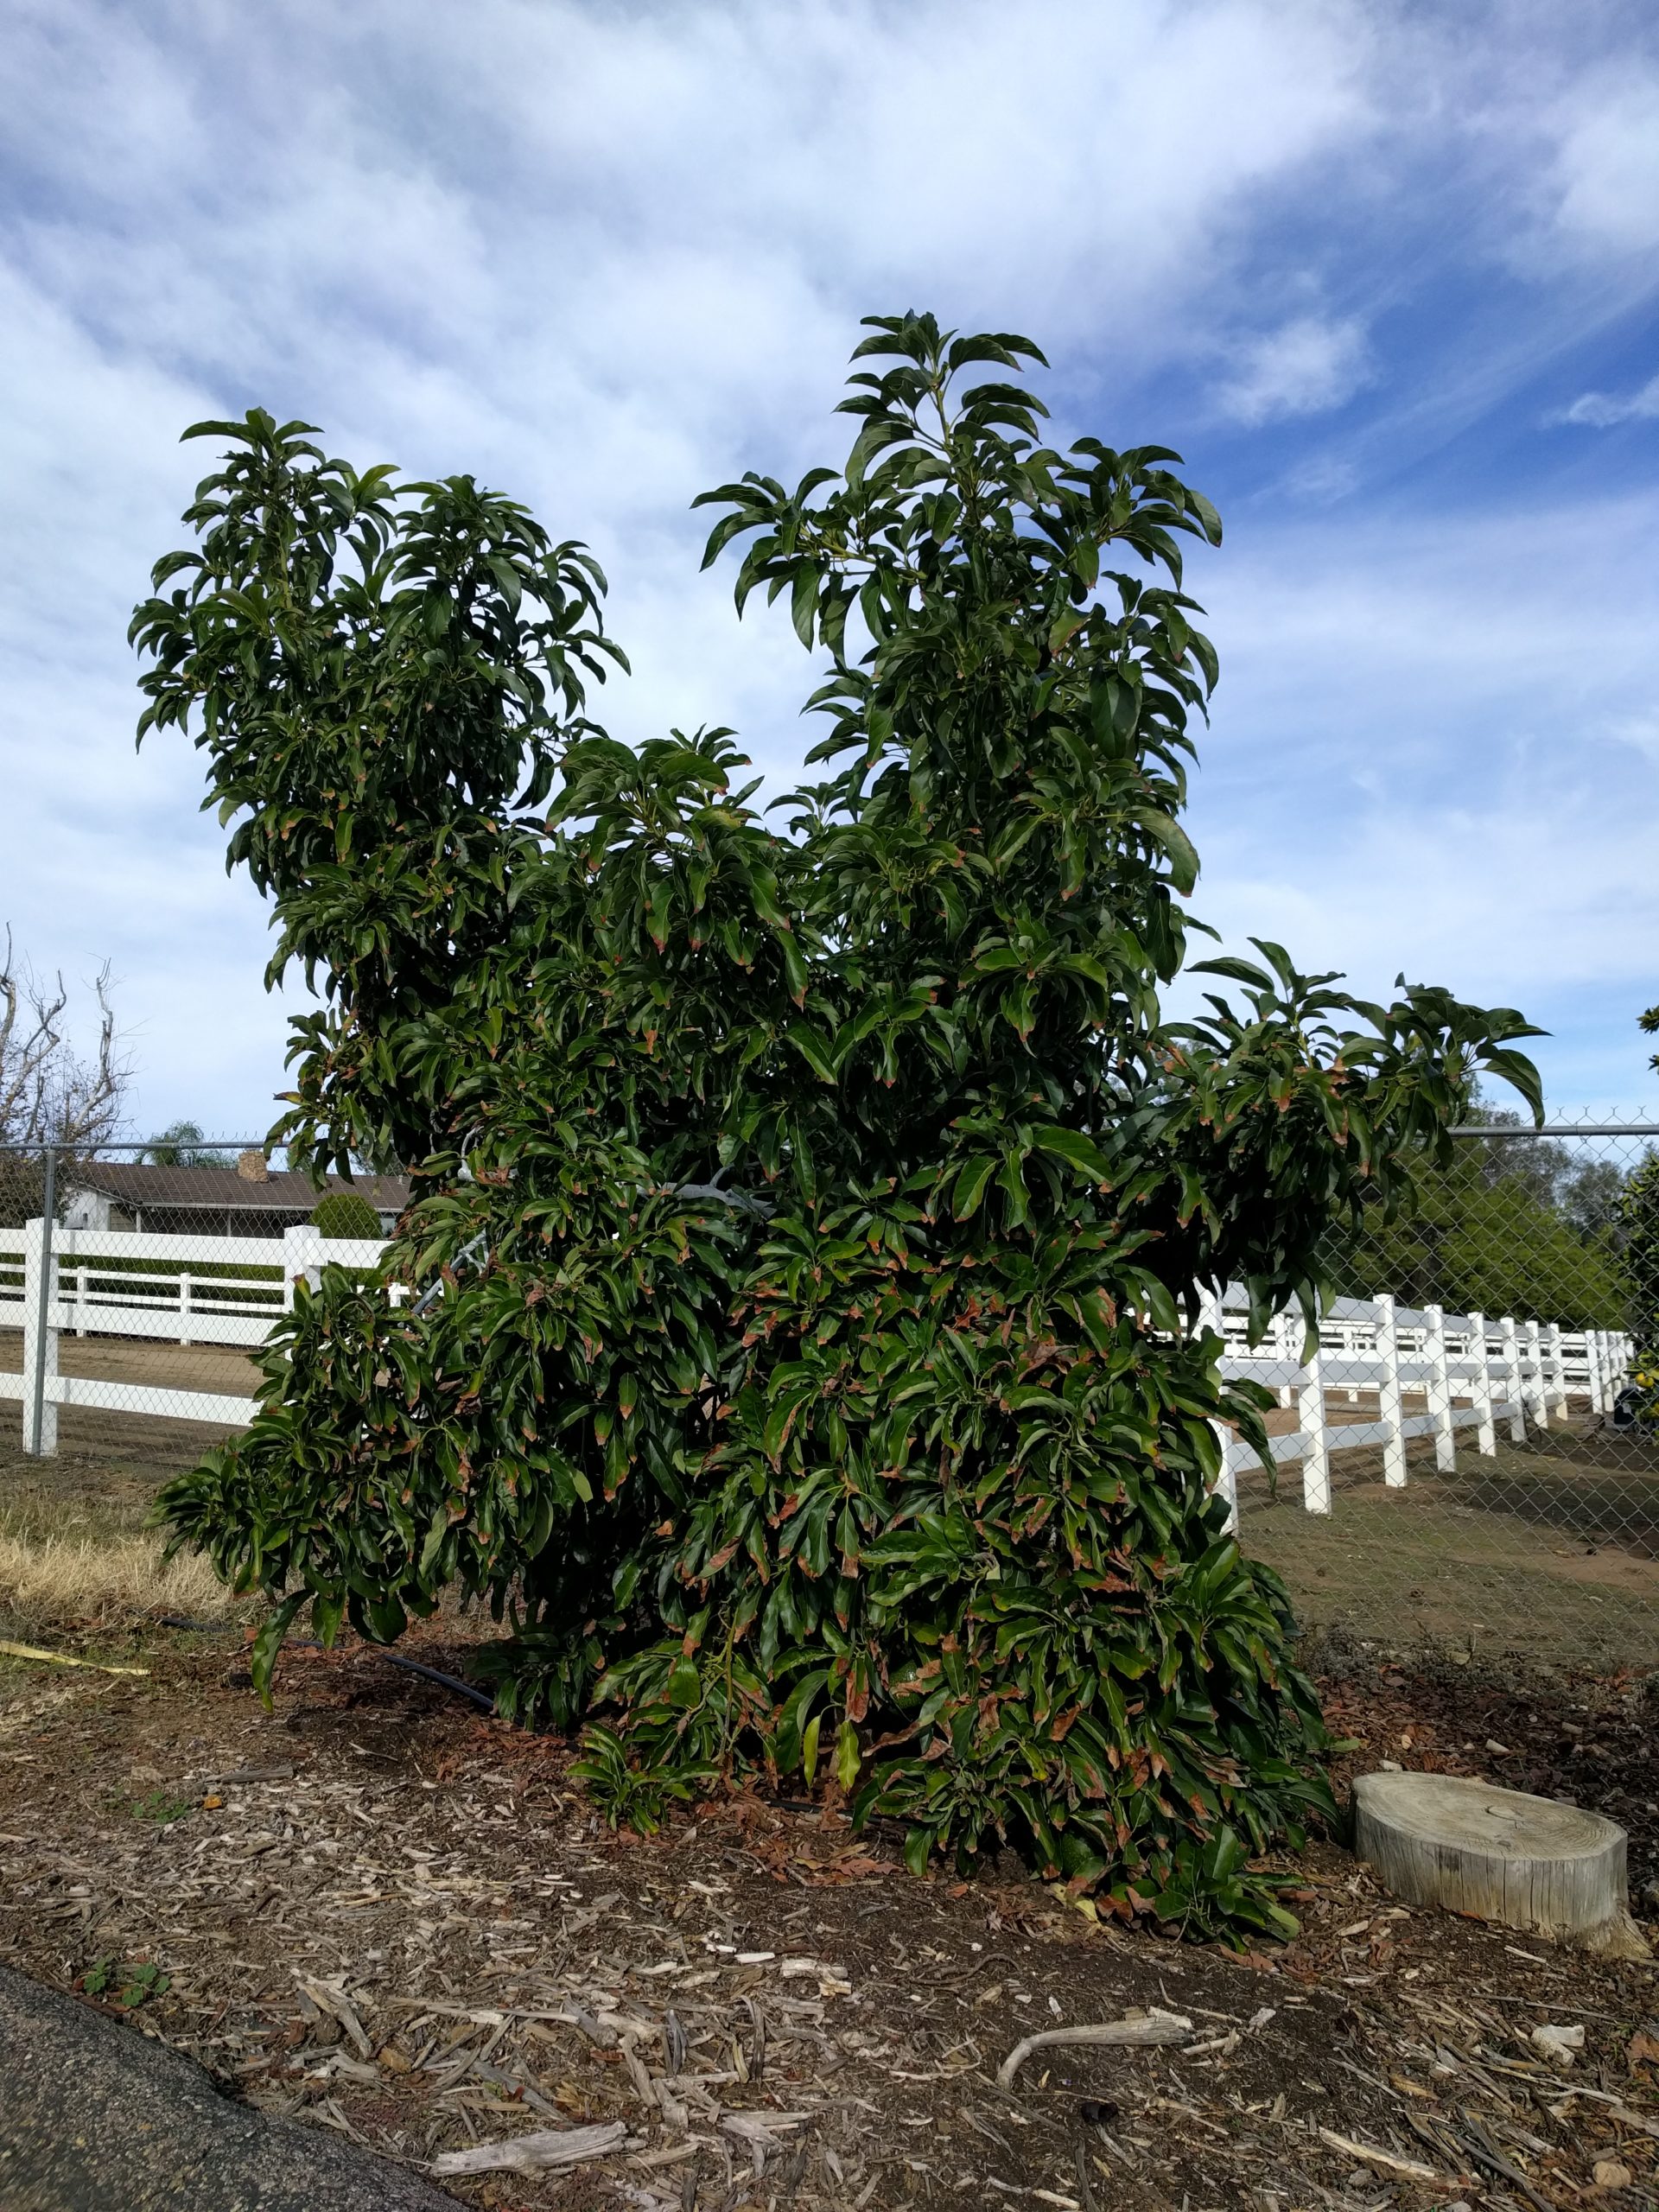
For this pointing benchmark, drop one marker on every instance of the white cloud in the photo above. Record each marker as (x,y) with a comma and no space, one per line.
(1307,367)
(1603,181)
(1412,767)
(1641,731)
(1601,410)
(602,258)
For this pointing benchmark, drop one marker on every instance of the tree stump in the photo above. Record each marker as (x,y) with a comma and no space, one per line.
(1498,1854)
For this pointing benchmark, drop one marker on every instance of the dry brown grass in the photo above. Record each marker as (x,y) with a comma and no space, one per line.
(56,1582)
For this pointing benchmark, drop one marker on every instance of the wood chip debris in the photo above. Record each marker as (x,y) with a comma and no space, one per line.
(1390,2161)
(1142,2029)
(412,1930)
(547,2148)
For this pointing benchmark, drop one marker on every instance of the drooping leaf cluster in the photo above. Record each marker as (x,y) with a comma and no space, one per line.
(796,1322)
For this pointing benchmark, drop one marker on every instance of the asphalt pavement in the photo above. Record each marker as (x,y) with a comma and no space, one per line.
(95,2116)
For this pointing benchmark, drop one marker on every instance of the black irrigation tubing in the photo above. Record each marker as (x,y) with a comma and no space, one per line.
(433,1674)
(391,1658)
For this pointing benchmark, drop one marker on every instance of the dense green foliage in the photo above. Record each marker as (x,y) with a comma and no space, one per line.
(1639,1217)
(807,1225)
(344,1215)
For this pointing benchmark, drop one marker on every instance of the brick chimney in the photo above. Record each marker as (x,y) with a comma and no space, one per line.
(252,1166)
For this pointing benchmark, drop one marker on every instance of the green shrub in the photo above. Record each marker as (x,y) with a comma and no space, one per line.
(809,1226)
(1639,1218)
(345,1214)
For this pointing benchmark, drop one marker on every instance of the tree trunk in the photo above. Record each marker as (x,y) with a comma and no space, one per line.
(1497,1854)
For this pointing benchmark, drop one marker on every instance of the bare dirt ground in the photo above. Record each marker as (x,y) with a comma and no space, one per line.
(1549,1548)
(382,1910)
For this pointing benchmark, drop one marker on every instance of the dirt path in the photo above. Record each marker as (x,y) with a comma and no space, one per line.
(402,1922)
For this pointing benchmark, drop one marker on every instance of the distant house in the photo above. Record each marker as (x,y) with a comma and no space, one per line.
(246,1200)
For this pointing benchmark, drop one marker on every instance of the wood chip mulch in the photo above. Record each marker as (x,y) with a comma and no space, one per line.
(386,1912)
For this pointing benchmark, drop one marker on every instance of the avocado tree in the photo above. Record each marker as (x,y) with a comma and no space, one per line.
(802,1341)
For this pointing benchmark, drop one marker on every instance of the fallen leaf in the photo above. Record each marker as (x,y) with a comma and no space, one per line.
(63,1659)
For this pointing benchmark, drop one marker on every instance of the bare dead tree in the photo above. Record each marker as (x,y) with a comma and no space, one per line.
(50,1092)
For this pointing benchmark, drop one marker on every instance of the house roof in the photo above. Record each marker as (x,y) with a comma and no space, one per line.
(222,1190)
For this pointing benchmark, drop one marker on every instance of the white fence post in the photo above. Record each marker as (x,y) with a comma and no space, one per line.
(1555,1401)
(1227,1480)
(1537,1391)
(80,1301)
(1316,1444)
(1515,1388)
(1440,1393)
(1389,1405)
(1211,1315)
(40,1344)
(301,1255)
(184,1306)
(1282,1348)
(1485,1435)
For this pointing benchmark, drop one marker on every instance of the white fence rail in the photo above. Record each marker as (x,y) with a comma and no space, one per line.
(1430,1373)
(122,1283)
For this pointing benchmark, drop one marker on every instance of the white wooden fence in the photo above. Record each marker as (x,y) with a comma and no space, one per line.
(1458,1372)
(1463,1370)
(122,1283)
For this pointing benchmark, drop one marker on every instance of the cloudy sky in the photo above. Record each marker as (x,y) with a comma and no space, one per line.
(1385,274)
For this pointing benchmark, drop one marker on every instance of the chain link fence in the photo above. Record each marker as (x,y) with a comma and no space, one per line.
(137,1285)
(1470,1455)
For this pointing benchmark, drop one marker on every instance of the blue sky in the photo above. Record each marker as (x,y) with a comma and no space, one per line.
(1385,275)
